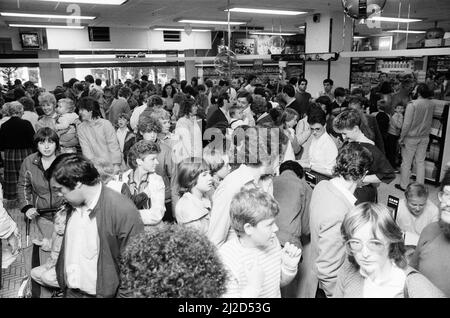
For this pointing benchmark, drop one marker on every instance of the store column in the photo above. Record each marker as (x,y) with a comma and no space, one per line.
(50,72)
(191,71)
(327,34)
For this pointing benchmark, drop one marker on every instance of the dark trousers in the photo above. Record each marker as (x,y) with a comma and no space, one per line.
(320,293)
(76,293)
(392,149)
(168,215)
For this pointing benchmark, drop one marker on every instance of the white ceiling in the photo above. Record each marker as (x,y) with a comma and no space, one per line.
(148,13)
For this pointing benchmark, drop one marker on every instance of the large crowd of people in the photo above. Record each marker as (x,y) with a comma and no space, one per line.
(199,189)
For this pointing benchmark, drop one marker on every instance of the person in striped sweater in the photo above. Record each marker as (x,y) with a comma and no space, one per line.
(257,265)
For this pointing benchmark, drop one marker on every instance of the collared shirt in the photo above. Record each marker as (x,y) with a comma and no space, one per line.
(340,185)
(323,153)
(249,120)
(121,135)
(391,286)
(82,247)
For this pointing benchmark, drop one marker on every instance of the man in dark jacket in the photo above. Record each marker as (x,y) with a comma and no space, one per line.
(220,118)
(293,195)
(99,225)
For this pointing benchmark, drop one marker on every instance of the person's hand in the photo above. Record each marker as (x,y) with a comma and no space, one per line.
(31,213)
(401,143)
(290,255)
(255,274)
(37,242)
(13,241)
(116,169)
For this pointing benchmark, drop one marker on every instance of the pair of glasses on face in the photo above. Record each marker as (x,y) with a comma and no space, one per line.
(316,129)
(355,245)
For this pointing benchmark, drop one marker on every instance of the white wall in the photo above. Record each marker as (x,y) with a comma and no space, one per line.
(122,38)
(13,34)
(317,41)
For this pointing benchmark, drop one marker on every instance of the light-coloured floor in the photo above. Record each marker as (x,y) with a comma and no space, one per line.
(384,190)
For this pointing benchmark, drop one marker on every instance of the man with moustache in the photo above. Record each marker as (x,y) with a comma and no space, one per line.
(432,255)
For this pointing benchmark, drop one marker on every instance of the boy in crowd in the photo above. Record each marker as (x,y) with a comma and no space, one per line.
(237,116)
(256,264)
(393,134)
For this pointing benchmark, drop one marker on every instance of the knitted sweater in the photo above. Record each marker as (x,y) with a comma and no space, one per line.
(418,119)
(432,257)
(350,284)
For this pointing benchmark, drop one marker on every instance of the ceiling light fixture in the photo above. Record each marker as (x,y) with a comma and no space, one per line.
(105,2)
(51,26)
(45,16)
(398,20)
(272,33)
(407,31)
(265,11)
(180,29)
(210,22)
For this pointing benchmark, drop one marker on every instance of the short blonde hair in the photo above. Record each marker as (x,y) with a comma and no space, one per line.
(69,103)
(47,97)
(13,109)
(251,206)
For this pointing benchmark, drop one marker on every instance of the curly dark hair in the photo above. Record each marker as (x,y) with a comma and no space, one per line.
(148,124)
(140,150)
(353,161)
(259,105)
(172,261)
(68,169)
(186,107)
(348,119)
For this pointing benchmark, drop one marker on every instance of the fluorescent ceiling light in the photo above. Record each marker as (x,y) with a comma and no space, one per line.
(210,22)
(45,16)
(15,25)
(265,11)
(359,37)
(407,31)
(180,29)
(108,2)
(272,33)
(388,19)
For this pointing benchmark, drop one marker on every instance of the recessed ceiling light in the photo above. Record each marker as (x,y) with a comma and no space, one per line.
(388,19)
(180,29)
(210,22)
(106,2)
(45,16)
(272,33)
(407,31)
(52,26)
(266,11)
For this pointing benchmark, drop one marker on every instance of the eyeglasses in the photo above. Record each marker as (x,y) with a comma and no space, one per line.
(316,129)
(355,245)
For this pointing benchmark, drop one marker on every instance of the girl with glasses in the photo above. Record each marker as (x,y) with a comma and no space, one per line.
(376,266)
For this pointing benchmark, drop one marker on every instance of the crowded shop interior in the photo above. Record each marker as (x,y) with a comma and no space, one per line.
(224,149)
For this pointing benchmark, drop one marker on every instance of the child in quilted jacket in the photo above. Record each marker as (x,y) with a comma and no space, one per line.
(65,126)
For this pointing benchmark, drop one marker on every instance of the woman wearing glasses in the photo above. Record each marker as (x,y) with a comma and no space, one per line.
(376,266)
